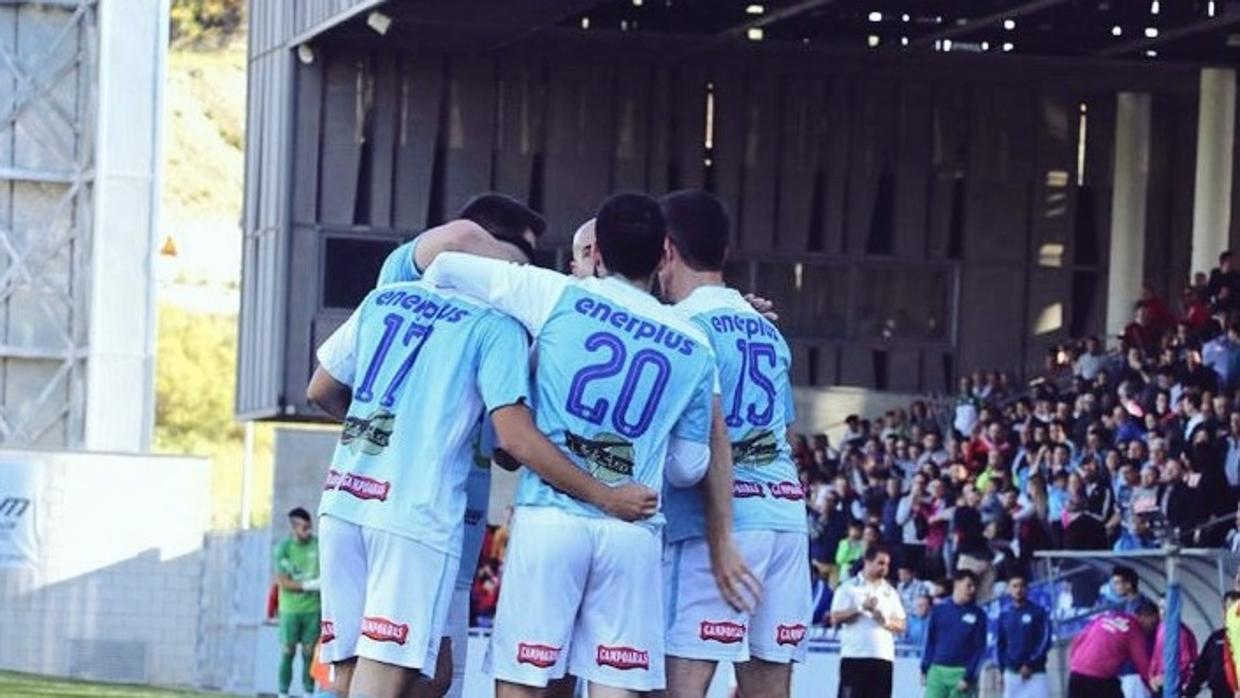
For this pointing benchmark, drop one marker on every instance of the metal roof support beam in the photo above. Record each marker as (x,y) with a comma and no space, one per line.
(1227,18)
(975,24)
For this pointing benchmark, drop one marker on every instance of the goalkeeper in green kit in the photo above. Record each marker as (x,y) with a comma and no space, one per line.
(297,575)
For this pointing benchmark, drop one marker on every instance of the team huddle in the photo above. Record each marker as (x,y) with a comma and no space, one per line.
(659,526)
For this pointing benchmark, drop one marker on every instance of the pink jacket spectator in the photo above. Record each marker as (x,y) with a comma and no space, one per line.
(1188,654)
(1103,646)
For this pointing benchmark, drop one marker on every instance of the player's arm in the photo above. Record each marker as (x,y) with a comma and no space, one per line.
(525,292)
(462,236)
(505,392)
(898,622)
(332,396)
(843,610)
(520,438)
(284,581)
(331,385)
(737,583)
(927,652)
(1138,654)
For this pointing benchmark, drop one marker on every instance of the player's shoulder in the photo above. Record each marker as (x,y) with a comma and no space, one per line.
(641,303)
(723,310)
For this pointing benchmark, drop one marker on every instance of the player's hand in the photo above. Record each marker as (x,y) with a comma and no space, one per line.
(630,502)
(764,307)
(871,604)
(1156,683)
(962,687)
(923,681)
(1025,672)
(737,584)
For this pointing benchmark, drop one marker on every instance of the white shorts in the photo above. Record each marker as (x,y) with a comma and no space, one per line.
(701,624)
(1016,687)
(457,630)
(385,597)
(581,595)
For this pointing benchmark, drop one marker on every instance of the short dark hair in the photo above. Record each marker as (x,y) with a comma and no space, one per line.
(299,513)
(962,575)
(629,231)
(1224,256)
(1018,573)
(1230,597)
(874,551)
(699,227)
(505,218)
(1128,574)
(853,523)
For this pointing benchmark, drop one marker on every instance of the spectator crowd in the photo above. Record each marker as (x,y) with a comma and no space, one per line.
(1106,450)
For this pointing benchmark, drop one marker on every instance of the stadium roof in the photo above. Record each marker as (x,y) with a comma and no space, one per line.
(1199,31)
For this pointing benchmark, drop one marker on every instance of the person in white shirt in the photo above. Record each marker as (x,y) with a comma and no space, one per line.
(870,615)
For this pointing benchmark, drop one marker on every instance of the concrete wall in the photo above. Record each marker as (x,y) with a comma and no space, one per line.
(824,409)
(301,460)
(116,592)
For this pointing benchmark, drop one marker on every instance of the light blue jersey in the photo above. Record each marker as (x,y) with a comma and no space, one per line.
(423,364)
(619,380)
(754,363)
(477,498)
(399,265)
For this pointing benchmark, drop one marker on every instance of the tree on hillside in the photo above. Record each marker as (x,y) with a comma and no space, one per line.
(194,382)
(197,21)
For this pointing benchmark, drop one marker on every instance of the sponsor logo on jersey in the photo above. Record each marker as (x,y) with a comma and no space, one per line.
(748,324)
(359,486)
(327,631)
(370,434)
(541,656)
(426,307)
(610,456)
(727,632)
(789,634)
(636,327)
(787,490)
(622,658)
(743,488)
(756,449)
(384,630)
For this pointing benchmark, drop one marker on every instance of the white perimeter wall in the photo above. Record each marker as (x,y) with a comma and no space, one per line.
(117,590)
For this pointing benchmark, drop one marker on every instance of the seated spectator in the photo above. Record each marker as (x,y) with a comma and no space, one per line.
(1177,504)
(849,550)
(1137,534)
(917,621)
(1091,361)
(854,434)
(909,586)
(1140,333)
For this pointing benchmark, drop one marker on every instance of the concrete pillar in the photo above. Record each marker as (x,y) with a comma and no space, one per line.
(1126,267)
(120,367)
(1216,133)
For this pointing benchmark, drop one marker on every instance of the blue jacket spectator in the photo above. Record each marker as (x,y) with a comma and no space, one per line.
(1023,637)
(956,636)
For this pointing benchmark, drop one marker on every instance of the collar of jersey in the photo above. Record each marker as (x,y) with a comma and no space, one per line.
(709,295)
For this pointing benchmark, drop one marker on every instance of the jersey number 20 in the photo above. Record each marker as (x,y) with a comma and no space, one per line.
(644,360)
